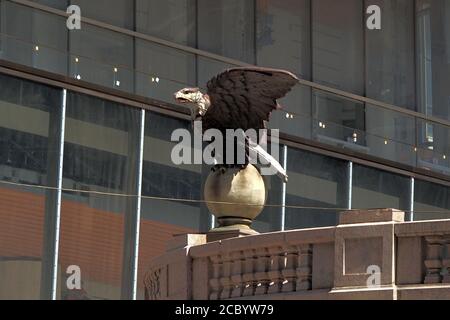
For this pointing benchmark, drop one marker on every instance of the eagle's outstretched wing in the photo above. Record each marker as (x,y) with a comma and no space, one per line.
(243,98)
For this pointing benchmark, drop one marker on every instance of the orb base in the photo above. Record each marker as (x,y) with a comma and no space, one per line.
(230,231)
(235,197)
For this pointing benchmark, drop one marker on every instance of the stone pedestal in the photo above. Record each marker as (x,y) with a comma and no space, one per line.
(222,233)
(364,256)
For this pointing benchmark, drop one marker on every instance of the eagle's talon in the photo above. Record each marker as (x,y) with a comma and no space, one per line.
(223,170)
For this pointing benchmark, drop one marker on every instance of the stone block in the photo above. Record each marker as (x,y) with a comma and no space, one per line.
(371,216)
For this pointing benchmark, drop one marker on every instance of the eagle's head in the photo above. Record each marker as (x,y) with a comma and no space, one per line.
(198,101)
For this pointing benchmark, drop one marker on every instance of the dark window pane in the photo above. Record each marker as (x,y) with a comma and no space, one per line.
(338,61)
(433,73)
(115,12)
(390,54)
(283,41)
(431,201)
(173,20)
(433,45)
(373,188)
(314,181)
(338,121)
(162,219)
(26,154)
(103,57)
(338,44)
(227,27)
(283,35)
(161,71)
(57,4)
(391,135)
(100,145)
(33,38)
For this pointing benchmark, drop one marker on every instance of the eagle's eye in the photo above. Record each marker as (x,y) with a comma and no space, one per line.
(190,90)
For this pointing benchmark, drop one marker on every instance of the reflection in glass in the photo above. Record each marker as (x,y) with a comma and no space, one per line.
(227,27)
(338,120)
(102,57)
(173,20)
(162,219)
(116,12)
(431,201)
(374,188)
(26,154)
(33,38)
(100,145)
(433,71)
(161,71)
(391,135)
(314,181)
(338,44)
(390,55)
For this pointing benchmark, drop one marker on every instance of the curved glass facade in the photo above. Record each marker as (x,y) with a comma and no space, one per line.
(369,145)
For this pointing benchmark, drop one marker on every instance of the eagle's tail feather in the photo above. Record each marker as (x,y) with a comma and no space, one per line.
(265,157)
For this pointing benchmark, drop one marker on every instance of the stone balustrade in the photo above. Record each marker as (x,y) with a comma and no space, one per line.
(371,254)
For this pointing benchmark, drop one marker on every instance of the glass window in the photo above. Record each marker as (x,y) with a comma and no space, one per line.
(338,121)
(433,54)
(373,188)
(391,135)
(295,116)
(162,219)
(283,41)
(33,38)
(431,200)
(103,57)
(337,44)
(100,145)
(433,153)
(283,35)
(227,27)
(338,61)
(314,181)
(58,4)
(390,54)
(115,12)
(173,20)
(433,73)
(162,71)
(26,154)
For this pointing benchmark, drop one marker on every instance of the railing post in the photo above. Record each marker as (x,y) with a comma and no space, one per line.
(304,268)
(249,273)
(276,266)
(261,276)
(290,272)
(214,282)
(236,275)
(433,262)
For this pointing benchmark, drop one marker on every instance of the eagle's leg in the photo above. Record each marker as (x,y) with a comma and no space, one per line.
(222,168)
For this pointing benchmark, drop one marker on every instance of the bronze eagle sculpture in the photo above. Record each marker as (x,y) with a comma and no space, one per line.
(240,98)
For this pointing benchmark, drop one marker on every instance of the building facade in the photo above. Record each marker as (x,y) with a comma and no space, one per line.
(86,118)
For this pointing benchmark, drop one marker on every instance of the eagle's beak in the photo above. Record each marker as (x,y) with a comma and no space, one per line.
(179,97)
